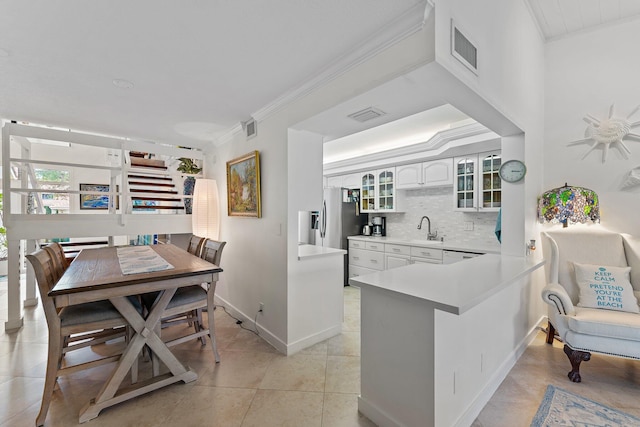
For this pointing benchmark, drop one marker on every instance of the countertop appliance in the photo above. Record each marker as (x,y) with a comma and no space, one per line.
(339,218)
(379,226)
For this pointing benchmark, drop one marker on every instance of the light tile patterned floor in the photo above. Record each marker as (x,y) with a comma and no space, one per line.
(254,385)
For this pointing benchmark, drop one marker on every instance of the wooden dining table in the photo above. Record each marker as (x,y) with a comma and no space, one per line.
(95,275)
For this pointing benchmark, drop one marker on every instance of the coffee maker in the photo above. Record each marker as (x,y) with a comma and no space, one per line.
(379,226)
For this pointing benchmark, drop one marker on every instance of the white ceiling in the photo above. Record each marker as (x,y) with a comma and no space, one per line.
(558,18)
(198,68)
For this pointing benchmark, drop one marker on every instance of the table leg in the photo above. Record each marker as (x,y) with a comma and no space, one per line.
(145,333)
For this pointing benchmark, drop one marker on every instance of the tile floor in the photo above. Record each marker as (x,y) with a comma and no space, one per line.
(256,386)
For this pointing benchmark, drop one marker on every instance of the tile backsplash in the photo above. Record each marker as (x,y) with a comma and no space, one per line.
(437,204)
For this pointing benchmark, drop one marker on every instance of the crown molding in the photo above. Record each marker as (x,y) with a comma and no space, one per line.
(415,151)
(407,24)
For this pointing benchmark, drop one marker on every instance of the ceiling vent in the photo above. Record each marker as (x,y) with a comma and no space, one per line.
(463,50)
(250,128)
(367,114)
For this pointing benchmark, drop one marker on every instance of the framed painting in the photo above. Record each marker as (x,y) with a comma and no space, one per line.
(243,186)
(96,201)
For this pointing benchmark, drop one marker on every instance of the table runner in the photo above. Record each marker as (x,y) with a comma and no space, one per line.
(140,259)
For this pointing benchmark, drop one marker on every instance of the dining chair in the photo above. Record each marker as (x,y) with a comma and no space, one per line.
(195,245)
(188,303)
(60,262)
(74,319)
(60,265)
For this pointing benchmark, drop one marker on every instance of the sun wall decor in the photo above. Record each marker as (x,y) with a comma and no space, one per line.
(609,132)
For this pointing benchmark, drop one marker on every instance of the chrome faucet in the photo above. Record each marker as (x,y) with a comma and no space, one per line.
(430,235)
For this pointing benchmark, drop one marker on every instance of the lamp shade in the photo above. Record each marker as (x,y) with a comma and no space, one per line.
(568,204)
(206,212)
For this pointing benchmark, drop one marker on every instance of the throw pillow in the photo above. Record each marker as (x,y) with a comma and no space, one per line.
(605,287)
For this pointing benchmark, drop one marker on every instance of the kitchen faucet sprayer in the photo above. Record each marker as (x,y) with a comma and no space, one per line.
(430,236)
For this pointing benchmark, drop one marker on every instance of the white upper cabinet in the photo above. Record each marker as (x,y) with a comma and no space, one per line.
(378,192)
(477,184)
(435,173)
(351,181)
(409,176)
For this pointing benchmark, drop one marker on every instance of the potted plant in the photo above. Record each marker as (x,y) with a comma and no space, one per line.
(188,166)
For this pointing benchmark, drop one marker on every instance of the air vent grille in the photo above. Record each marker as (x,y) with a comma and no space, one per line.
(367,114)
(463,50)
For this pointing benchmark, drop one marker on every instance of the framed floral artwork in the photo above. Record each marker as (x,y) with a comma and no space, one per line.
(243,186)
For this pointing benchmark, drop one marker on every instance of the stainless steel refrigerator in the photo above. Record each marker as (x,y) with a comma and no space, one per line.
(340,217)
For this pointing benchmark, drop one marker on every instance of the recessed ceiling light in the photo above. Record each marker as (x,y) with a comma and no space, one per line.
(4,53)
(122,83)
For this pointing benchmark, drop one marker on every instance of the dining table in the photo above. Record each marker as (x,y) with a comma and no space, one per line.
(97,274)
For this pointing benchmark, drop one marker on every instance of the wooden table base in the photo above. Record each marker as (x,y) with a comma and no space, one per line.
(147,333)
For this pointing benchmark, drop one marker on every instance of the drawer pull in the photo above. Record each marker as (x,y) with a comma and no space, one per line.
(396,250)
(356,257)
(374,261)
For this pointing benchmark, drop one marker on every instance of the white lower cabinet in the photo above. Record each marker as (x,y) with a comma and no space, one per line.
(369,259)
(369,256)
(420,254)
(393,261)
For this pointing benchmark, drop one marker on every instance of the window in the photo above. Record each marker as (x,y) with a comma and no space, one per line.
(57,180)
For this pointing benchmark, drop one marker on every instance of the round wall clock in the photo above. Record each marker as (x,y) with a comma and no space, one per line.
(512,171)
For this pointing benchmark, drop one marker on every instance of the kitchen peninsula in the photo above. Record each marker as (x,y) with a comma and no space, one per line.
(436,339)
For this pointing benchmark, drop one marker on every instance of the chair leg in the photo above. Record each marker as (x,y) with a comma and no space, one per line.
(53,364)
(211,321)
(576,357)
(199,325)
(551,332)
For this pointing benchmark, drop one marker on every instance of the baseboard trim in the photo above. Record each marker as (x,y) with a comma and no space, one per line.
(472,412)
(265,334)
(13,325)
(30,302)
(313,339)
(375,414)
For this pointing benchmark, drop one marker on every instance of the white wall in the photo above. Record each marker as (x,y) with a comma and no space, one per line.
(256,257)
(586,74)
(255,263)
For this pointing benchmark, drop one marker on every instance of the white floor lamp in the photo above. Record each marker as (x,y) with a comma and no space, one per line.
(206,211)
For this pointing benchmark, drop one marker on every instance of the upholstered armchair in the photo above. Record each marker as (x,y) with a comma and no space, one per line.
(592,293)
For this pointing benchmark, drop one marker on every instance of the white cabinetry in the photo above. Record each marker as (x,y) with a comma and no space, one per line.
(396,255)
(477,183)
(434,173)
(426,255)
(377,191)
(370,256)
(350,181)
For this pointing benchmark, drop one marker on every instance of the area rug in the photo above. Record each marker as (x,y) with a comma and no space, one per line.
(561,408)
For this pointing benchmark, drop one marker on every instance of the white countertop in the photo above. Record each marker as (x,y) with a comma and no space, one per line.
(313,251)
(446,245)
(454,288)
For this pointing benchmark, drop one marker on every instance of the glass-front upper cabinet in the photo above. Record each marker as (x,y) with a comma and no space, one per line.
(477,185)
(378,191)
(465,183)
(368,192)
(491,183)
(386,190)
